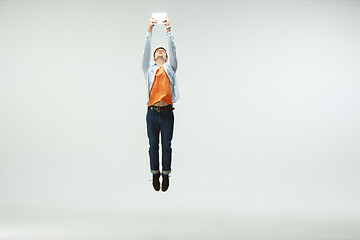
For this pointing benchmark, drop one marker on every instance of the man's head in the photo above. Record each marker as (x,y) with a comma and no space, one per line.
(161,54)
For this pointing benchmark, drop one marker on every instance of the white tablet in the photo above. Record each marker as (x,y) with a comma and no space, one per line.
(160,17)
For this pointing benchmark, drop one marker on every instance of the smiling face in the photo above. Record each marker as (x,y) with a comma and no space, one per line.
(160,53)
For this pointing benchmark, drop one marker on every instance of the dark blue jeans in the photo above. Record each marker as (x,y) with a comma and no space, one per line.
(160,123)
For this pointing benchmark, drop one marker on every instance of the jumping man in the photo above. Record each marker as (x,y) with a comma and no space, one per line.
(163,92)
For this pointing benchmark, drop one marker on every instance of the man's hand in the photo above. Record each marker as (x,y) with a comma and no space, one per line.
(167,21)
(167,24)
(152,23)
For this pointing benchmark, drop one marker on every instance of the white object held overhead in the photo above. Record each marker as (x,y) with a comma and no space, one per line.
(160,17)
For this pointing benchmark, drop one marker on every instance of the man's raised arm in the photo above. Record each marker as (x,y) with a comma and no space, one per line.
(147,48)
(172,48)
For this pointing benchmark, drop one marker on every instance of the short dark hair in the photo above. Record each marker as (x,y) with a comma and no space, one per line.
(160,48)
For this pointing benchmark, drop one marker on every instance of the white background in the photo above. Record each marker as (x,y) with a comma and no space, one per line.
(267,123)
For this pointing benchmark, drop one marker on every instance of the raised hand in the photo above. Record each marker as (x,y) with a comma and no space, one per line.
(167,24)
(167,21)
(152,23)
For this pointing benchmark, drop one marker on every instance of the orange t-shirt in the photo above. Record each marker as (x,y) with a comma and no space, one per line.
(161,88)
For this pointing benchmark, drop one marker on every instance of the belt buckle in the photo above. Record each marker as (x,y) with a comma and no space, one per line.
(154,108)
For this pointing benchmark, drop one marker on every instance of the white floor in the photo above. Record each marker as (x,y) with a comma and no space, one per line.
(129,225)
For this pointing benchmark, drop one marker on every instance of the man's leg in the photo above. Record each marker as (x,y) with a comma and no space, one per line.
(153,130)
(166,128)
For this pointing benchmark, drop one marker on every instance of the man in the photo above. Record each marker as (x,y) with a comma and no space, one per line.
(162,94)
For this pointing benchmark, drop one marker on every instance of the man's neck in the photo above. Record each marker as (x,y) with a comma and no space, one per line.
(160,63)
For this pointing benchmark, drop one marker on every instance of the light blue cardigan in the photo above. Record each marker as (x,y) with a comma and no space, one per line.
(170,66)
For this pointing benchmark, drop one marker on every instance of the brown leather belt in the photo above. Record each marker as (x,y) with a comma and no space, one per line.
(167,108)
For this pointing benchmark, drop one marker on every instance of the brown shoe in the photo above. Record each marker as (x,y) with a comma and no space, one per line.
(156,182)
(165,182)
